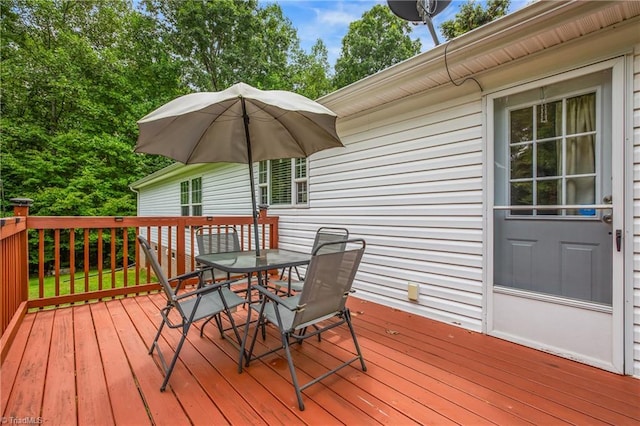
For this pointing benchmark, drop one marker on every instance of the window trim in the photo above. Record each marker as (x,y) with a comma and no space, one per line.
(264,183)
(562,138)
(190,195)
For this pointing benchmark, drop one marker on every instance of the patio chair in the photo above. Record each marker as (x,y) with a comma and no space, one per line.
(191,306)
(217,240)
(323,235)
(320,305)
(214,239)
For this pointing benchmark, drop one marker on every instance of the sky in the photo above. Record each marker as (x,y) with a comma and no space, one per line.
(329,20)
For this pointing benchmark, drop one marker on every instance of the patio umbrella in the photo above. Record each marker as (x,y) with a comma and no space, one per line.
(241,124)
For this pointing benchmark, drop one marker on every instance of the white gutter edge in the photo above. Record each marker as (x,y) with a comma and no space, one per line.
(459,49)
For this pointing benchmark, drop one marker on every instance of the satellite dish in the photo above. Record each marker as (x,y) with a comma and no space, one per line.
(419,11)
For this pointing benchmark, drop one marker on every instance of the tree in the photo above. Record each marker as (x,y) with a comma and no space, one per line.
(472,15)
(223,42)
(76,76)
(311,72)
(376,41)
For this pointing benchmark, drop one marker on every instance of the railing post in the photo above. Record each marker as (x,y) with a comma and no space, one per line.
(181,229)
(21,206)
(21,209)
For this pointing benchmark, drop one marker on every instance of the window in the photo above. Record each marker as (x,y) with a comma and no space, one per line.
(283,182)
(552,155)
(191,197)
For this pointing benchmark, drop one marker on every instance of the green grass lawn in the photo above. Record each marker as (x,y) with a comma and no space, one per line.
(79,282)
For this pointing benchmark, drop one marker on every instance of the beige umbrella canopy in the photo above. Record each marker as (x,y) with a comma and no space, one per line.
(241,124)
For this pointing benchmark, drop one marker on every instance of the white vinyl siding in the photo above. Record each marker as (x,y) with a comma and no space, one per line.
(396,188)
(413,190)
(225,192)
(636,213)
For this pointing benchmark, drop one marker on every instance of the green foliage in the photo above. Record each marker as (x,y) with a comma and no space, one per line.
(76,76)
(311,72)
(373,43)
(472,15)
(222,42)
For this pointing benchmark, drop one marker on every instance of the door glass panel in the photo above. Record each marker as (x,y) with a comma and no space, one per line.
(521,195)
(581,114)
(581,157)
(549,193)
(522,125)
(521,161)
(549,120)
(580,191)
(549,158)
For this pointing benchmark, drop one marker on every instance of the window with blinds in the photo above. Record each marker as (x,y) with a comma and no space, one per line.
(283,182)
(191,197)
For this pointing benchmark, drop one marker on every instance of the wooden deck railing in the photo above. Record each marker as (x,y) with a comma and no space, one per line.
(98,257)
(13,267)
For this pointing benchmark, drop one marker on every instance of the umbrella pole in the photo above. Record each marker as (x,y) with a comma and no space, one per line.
(254,210)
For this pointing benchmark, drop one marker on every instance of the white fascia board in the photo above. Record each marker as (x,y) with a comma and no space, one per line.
(498,34)
(170,171)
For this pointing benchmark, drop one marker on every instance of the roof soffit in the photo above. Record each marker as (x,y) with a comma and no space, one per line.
(534,28)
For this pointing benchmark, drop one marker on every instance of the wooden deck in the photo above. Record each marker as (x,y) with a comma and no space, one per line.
(89,365)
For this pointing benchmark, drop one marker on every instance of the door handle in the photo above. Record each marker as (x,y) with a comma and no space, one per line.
(618,238)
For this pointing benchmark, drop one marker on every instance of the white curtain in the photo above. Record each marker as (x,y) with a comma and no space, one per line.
(580,156)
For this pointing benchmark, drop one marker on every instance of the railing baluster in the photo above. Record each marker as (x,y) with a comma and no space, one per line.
(125,256)
(56,257)
(100,259)
(136,250)
(169,251)
(113,257)
(41,262)
(86,260)
(72,261)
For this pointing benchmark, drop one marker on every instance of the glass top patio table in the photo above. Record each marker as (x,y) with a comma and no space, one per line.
(246,262)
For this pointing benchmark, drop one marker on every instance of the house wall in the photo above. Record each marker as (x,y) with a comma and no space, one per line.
(410,183)
(226,191)
(636,211)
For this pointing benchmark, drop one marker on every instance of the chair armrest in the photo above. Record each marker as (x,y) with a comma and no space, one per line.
(292,306)
(183,277)
(205,289)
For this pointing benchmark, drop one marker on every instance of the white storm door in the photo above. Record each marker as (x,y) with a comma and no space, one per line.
(557,219)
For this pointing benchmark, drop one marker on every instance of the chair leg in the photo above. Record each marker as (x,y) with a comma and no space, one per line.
(260,323)
(203,324)
(292,370)
(347,317)
(155,340)
(169,370)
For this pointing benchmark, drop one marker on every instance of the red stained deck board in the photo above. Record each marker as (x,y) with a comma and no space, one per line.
(25,400)
(59,404)
(163,407)
(425,372)
(126,402)
(11,364)
(93,398)
(492,398)
(194,400)
(512,378)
